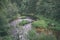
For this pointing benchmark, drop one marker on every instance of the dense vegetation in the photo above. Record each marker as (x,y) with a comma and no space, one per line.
(33,36)
(23,22)
(46,12)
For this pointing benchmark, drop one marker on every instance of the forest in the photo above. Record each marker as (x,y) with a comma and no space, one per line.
(36,19)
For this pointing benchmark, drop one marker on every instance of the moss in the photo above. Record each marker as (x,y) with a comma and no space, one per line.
(40,23)
(22,23)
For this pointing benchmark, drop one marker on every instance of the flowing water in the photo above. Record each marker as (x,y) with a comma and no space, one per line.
(20,33)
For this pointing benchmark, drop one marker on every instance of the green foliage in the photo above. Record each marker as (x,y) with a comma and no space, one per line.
(40,23)
(40,17)
(23,22)
(3,25)
(32,35)
(8,12)
(52,24)
(47,8)
(47,37)
(23,17)
(56,26)
(8,38)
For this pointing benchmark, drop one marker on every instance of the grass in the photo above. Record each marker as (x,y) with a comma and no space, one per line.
(23,22)
(40,24)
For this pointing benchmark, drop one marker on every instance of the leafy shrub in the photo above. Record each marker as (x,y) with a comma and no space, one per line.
(23,22)
(32,35)
(56,27)
(52,24)
(8,38)
(23,17)
(42,36)
(40,23)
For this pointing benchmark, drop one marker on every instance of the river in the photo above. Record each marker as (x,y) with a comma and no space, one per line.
(18,33)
